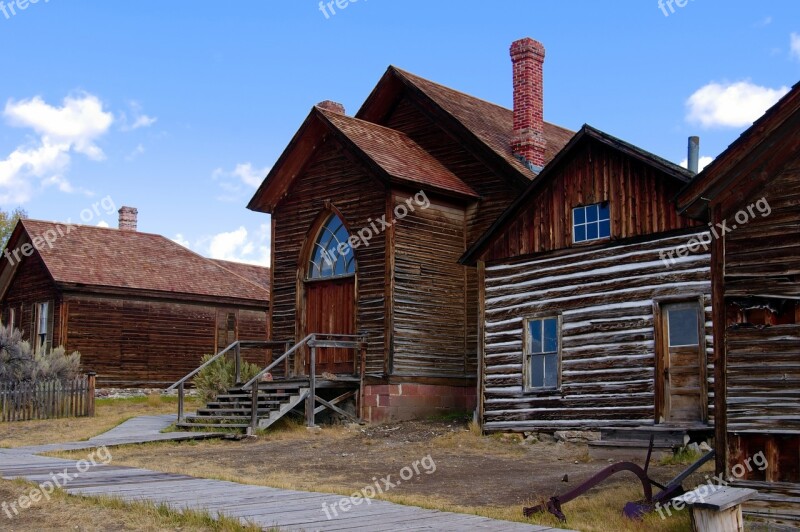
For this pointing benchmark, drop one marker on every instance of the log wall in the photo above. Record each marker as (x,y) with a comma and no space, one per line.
(606,299)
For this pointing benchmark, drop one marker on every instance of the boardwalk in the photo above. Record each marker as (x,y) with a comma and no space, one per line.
(266,507)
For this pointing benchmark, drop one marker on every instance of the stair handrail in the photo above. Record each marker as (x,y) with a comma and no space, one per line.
(203,366)
(277,361)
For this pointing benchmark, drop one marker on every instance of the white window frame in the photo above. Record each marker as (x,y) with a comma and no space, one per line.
(528,356)
(586,224)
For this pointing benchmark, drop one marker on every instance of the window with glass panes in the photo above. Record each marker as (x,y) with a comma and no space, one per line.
(591,222)
(543,362)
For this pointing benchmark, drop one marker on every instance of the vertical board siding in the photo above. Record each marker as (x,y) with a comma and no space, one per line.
(143,343)
(430,322)
(330,175)
(605,297)
(640,199)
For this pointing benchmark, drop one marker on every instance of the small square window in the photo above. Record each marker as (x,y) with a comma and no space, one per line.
(591,222)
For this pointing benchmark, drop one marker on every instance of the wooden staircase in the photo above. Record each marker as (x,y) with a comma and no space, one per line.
(259,403)
(234,409)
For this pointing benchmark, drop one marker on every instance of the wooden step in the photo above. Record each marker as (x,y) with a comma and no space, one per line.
(187,425)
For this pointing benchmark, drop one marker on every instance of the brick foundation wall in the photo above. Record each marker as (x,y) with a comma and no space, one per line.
(398,402)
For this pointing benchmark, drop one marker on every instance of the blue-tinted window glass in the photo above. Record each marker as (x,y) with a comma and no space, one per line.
(591,222)
(332,256)
(544,353)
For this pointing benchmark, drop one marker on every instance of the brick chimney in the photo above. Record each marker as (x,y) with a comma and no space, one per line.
(128,219)
(334,107)
(528,142)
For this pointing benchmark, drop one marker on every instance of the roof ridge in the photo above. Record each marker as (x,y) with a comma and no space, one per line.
(406,73)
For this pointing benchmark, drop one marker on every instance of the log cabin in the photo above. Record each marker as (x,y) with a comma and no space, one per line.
(371,213)
(595,304)
(751,194)
(141,309)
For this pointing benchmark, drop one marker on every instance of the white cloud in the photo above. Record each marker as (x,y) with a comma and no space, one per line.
(182,241)
(103,223)
(702,163)
(731,105)
(794,45)
(239,245)
(137,151)
(138,118)
(240,181)
(764,22)
(73,127)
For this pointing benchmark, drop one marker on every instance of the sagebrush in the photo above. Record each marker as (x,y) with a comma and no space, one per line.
(219,376)
(20,362)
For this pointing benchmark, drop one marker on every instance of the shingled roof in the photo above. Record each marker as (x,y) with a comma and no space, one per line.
(103,258)
(493,124)
(403,160)
(253,273)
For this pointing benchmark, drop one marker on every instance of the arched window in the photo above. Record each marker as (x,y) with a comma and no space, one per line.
(332,255)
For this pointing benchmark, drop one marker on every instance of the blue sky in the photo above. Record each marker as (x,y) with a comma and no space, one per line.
(179,108)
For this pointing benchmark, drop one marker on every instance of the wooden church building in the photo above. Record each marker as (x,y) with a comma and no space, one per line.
(371,213)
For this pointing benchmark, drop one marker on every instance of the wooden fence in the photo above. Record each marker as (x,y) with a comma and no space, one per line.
(48,399)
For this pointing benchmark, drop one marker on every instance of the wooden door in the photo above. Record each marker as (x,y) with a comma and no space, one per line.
(330,308)
(682,363)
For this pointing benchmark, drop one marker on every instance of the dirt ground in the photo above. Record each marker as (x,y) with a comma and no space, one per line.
(472,472)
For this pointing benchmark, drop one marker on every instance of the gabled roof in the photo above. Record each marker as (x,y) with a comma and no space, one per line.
(490,124)
(391,156)
(742,166)
(255,274)
(671,170)
(130,261)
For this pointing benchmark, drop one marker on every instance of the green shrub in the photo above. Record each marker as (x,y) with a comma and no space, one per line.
(218,377)
(19,362)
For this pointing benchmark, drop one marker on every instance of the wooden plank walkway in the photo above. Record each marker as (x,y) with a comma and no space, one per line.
(263,506)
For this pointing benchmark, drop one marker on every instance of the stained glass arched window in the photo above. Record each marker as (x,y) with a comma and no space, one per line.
(332,255)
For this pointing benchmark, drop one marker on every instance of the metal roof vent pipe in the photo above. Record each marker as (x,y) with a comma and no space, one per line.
(694,155)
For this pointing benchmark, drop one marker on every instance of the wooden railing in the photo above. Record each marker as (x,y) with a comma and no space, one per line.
(236,348)
(289,361)
(48,399)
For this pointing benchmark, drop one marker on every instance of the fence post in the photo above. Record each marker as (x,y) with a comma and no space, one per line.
(91,383)
(180,403)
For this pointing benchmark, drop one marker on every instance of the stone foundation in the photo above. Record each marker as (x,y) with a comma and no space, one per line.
(400,402)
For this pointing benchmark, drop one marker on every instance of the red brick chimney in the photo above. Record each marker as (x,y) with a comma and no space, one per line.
(334,107)
(128,219)
(528,142)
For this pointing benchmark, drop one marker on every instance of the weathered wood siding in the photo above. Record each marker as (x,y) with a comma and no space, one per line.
(430,327)
(331,175)
(640,198)
(606,298)
(761,265)
(31,285)
(496,191)
(141,343)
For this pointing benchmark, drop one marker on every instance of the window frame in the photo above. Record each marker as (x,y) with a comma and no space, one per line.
(586,224)
(42,313)
(527,355)
(349,259)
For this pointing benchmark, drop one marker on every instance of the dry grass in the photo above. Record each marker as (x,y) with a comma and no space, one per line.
(64,512)
(108,414)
